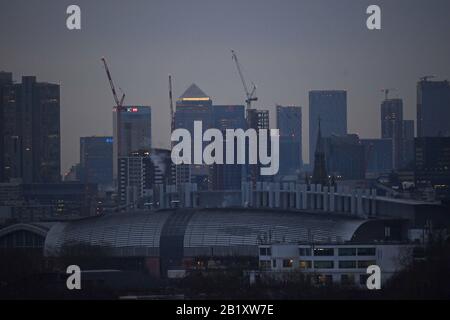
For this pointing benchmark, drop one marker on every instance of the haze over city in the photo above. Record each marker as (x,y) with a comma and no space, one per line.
(286,47)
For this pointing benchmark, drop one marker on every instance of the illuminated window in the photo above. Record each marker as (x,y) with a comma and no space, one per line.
(305,264)
(287,263)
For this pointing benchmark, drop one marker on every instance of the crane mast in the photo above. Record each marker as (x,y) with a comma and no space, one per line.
(118,107)
(118,102)
(172,116)
(250,95)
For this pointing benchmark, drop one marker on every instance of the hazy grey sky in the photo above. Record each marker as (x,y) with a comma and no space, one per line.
(287,47)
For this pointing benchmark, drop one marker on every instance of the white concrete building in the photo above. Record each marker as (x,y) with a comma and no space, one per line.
(344,264)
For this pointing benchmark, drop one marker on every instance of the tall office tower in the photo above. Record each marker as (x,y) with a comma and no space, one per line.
(135,132)
(289,122)
(432,164)
(194,105)
(331,107)
(320,175)
(31,131)
(140,172)
(408,144)
(378,155)
(433,108)
(228,176)
(392,128)
(345,157)
(256,119)
(5,85)
(96,160)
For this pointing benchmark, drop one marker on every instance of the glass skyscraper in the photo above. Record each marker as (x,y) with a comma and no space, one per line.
(433,108)
(289,123)
(331,107)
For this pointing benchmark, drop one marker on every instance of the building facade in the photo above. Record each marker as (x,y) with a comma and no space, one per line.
(135,132)
(432,164)
(194,105)
(326,264)
(31,130)
(139,173)
(345,157)
(289,122)
(392,127)
(228,176)
(433,108)
(378,155)
(96,160)
(331,107)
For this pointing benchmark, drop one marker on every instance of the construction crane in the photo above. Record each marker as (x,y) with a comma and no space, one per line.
(119,107)
(250,95)
(119,103)
(386,92)
(425,78)
(172,115)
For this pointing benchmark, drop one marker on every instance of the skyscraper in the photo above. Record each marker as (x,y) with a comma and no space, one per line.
(135,132)
(96,160)
(228,176)
(289,122)
(433,108)
(140,172)
(31,131)
(5,85)
(257,120)
(392,128)
(193,105)
(408,143)
(331,107)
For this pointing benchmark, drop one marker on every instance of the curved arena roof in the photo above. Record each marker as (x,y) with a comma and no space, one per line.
(199,231)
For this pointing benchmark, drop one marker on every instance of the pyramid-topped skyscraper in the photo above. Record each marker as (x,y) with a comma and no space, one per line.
(193,105)
(194,93)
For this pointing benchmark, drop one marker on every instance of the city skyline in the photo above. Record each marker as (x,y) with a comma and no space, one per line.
(294,54)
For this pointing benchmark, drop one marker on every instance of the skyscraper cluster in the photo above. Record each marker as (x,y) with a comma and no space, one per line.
(30,129)
(127,162)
